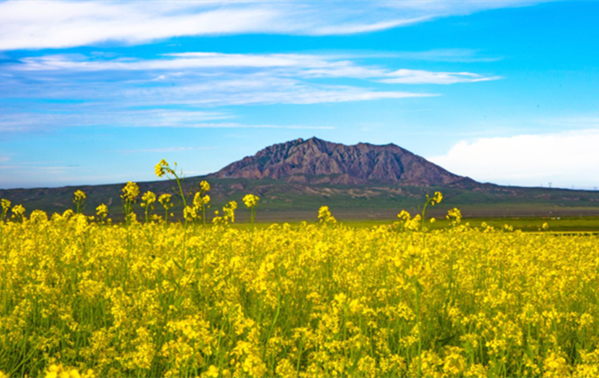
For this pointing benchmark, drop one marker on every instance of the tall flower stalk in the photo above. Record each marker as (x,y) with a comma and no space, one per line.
(251,202)
(129,197)
(163,169)
(79,201)
(149,198)
(165,201)
(201,201)
(5,207)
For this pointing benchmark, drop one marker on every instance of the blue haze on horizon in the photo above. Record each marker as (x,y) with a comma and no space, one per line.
(99,92)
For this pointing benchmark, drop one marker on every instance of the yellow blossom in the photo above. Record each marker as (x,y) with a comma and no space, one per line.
(130,192)
(325,216)
(250,201)
(79,195)
(165,201)
(205,186)
(161,168)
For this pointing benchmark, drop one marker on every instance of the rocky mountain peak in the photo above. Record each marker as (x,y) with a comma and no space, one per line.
(317,161)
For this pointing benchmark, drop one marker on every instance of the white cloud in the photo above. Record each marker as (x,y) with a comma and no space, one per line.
(193,79)
(564,159)
(284,65)
(428,77)
(257,90)
(62,24)
(363,28)
(97,115)
(233,125)
(172,62)
(582,122)
(154,118)
(107,88)
(447,55)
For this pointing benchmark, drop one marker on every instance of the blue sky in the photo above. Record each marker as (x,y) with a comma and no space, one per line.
(98,92)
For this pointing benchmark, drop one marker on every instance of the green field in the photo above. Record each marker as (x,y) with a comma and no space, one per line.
(530,224)
(280,201)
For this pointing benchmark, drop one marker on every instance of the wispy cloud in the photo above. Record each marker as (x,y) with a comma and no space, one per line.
(265,90)
(448,55)
(152,118)
(108,89)
(61,24)
(211,63)
(176,61)
(47,116)
(428,77)
(562,158)
(243,78)
(244,126)
(580,122)
(184,89)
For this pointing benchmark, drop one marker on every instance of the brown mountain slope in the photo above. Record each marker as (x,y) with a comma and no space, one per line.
(316,161)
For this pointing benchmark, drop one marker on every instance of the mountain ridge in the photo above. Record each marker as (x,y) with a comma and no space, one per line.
(316,161)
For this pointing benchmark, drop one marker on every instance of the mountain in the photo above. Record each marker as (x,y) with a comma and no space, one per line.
(315,161)
(363,181)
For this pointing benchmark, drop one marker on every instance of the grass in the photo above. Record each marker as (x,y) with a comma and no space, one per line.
(527,224)
(281,201)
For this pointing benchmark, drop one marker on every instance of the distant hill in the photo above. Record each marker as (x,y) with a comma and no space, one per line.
(316,161)
(363,181)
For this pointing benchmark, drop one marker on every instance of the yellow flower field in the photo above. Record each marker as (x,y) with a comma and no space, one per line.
(81,297)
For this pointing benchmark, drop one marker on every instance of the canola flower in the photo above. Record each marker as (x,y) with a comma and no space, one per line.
(455,216)
(129,197)
(189,213)
(325,216)
(163,169)
(165,201)
(298,300)
(205,186)
(102,213)
(86,298)
(201,201)
(228,214)
(5,207)
(148,200)
(251,202)
(59,371)
(79,201)
(130,192)
(18,212)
